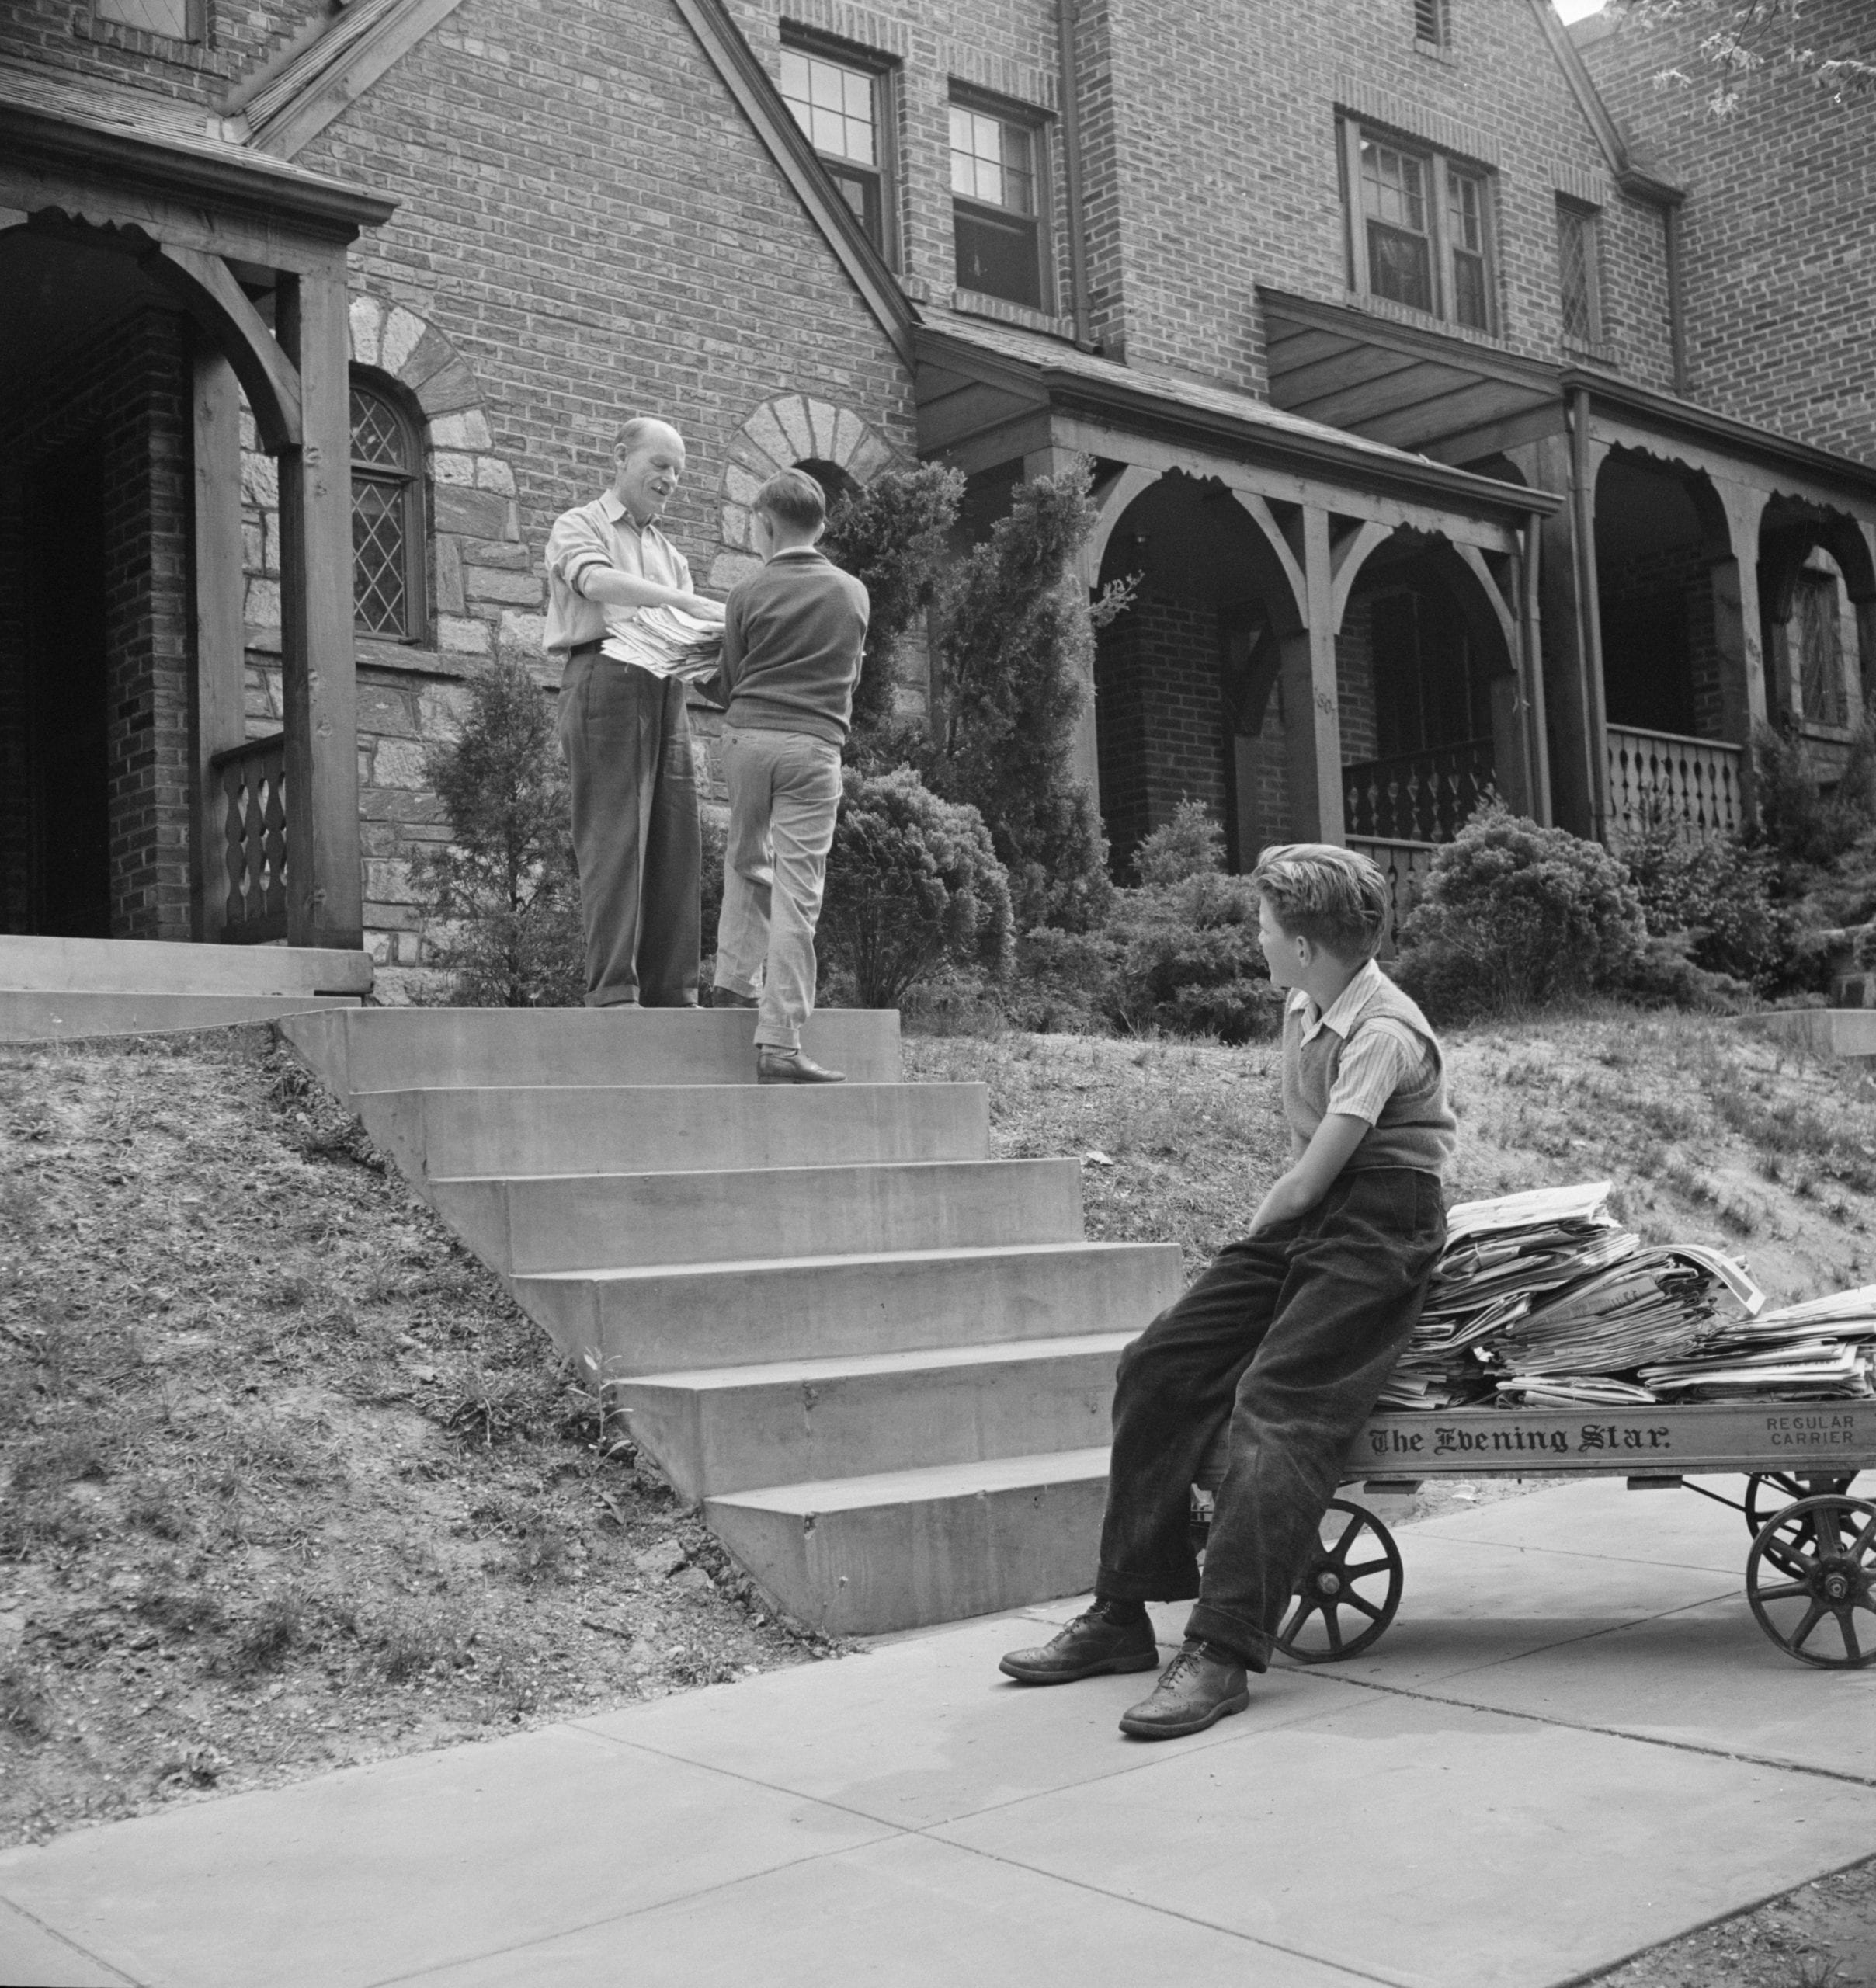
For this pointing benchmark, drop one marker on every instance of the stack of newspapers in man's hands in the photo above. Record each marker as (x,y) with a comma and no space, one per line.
(1501,1257)
(1821,1351)
(668,641)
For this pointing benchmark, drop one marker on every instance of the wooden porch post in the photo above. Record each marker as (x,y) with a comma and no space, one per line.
(1573,740)
(1313,720)
(220,696)
(1736,628)
(319,701)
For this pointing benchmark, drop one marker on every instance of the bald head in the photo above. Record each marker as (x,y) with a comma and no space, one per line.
(648,462)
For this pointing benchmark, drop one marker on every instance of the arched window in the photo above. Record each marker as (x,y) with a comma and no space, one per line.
(387,543)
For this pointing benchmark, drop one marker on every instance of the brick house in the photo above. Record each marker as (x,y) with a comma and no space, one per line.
(1376,331)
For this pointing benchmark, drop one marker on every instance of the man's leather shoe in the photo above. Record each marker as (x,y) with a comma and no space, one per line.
(790,1066)
(1090,1646)
(722,997)
(1201,1685)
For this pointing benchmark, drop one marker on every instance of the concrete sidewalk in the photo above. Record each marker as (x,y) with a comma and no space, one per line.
(1574,1742)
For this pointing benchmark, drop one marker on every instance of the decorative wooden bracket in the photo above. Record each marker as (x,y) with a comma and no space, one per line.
(207,285)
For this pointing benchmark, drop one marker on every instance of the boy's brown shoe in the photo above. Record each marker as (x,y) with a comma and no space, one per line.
(775,1065)
(1200,1687)
(1090,1646)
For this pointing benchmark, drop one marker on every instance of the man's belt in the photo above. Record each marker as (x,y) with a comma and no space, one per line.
(586,649)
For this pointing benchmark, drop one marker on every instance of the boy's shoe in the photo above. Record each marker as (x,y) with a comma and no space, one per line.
(775,1065)
(721,997)
(1201,1685)
(1090,1646)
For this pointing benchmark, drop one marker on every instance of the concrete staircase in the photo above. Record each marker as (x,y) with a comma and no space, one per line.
(881,1360)
(58,988)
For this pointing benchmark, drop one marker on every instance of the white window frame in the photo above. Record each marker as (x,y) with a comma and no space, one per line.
(1436,165)
(881,72)
(1036,123)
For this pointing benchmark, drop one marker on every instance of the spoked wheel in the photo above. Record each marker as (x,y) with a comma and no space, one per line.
(1769,1494)
(1811,1577)
(1349,1591)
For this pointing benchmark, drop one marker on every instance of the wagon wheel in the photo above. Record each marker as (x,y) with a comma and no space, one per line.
(1768,1493)
(1821,1608)
(1355,1573)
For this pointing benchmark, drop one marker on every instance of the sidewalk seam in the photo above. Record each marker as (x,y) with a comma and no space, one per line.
(66,1940)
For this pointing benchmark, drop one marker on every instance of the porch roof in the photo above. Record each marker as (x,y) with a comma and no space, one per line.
(975,378)
(1404,383)
(97,131)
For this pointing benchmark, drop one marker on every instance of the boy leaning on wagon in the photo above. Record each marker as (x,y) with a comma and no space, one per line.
(1288,1337)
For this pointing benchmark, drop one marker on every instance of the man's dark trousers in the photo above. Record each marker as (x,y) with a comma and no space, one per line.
(636,837)
(1290,1335)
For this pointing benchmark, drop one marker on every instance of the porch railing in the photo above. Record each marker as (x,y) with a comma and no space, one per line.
(1418,796)
(1406,866)
(251,780)
(1692,785)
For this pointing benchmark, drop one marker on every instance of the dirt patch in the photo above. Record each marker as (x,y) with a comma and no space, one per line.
(286,1481)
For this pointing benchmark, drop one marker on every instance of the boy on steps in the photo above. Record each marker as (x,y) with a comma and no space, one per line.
(792,638)
(1287,1338)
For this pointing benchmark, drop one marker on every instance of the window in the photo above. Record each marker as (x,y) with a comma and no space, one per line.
(1819,632)
(998,198)
(1429,22)
(179,20)
(387,541)
(1420,230)
(1576,264)
(846,108)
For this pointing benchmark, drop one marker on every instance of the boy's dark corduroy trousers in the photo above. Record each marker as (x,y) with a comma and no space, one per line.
(1290,1337)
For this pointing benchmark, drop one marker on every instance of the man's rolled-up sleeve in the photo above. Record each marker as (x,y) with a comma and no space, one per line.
(575,548)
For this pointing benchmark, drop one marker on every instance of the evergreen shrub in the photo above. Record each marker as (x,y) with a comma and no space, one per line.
(1515,916)
(913,886)
(500,901)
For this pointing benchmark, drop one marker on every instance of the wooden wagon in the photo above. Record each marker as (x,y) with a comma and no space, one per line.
(1810,1566)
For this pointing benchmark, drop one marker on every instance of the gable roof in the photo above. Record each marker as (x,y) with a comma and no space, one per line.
(1627,175)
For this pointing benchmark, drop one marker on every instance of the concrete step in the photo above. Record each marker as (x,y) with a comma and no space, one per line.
(618,1221)
(401,1048)
(682,1317)
(151,966)
(519,1130)
(62,1017)
(794,1421)
(862,1555)
(1847,1032)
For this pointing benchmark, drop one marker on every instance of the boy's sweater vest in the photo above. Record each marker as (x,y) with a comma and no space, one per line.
(1416,1127)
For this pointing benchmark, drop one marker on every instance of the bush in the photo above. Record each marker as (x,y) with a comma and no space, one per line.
(1800,824)
(1016,645)
(1179,953)
(501,903)
(1713,901)
(912,884)
(1517,916)
(1190,844)
(891,535)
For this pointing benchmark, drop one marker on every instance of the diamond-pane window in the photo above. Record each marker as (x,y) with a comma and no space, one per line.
(1820,641)
(387,538)
(1576,272)
(177,20)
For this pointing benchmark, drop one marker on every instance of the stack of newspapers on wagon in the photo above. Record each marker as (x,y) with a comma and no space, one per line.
(666,641)
(1545,1300)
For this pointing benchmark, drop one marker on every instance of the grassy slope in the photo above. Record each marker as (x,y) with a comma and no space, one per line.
(1710,1134)
(285,1480)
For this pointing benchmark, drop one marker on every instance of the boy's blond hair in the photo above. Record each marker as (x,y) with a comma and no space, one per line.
(1331,897)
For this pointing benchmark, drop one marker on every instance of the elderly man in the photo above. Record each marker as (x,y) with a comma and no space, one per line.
(625,734)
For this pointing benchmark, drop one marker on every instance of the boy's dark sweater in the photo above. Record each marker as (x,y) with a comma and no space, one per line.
(792,638)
